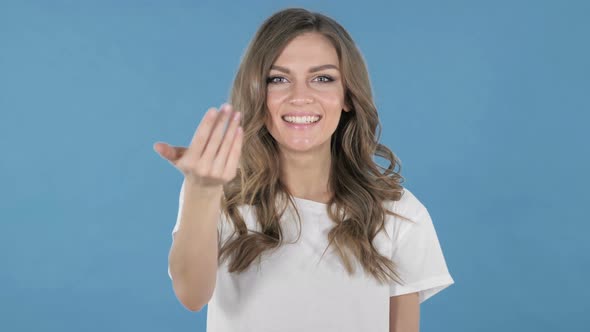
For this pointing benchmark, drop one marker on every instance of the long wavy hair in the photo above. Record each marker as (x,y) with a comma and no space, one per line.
(359,185)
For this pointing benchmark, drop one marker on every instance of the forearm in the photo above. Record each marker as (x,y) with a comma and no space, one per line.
(193,256)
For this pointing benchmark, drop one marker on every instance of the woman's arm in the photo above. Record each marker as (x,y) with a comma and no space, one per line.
(193,255)
(404,313)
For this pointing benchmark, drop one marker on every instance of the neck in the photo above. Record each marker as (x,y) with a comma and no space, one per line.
(306,174)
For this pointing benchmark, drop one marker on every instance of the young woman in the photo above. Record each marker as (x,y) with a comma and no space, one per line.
(285,222)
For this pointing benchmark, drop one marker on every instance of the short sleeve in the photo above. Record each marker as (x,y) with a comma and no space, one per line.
(418,254)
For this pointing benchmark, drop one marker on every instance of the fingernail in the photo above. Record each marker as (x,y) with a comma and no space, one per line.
(237,116)
(225,107)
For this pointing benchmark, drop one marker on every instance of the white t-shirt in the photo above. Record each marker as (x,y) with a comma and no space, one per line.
(289,291)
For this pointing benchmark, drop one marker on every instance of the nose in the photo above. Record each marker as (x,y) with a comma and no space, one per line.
(300,94)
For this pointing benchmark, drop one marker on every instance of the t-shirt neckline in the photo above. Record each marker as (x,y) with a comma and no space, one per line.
(309,205)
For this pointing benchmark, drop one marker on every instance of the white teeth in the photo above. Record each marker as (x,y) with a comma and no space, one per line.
(301,119)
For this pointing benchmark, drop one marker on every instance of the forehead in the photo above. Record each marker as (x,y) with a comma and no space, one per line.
(308,49)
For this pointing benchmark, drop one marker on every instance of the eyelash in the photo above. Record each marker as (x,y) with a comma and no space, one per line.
(271,79)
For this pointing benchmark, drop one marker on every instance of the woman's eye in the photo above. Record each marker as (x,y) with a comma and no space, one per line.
(324,78)
(275,79)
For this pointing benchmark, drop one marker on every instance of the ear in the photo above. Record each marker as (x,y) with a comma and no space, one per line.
(346,107)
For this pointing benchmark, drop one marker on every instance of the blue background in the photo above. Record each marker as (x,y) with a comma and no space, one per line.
(484,102)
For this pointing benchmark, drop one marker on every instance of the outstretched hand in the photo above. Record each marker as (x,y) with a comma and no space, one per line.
(212,157)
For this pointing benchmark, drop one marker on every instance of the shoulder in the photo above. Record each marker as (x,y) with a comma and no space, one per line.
(408,206)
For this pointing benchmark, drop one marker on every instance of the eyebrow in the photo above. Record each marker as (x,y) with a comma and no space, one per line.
(311,70)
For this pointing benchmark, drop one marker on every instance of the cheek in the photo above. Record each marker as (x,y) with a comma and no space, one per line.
(333,102)
(273,101)
(332,96)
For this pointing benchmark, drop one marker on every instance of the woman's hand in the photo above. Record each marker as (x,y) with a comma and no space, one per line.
(212,157)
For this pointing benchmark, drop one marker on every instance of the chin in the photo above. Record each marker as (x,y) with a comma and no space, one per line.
(301,146)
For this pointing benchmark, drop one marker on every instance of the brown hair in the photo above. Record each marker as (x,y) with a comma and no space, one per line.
(359,186)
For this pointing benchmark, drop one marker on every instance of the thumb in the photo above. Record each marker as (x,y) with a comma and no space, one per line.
(164,150)
(169,152)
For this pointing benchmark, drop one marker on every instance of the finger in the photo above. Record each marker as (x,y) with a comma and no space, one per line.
(176,152)
(169,152)
(199,140)
(234,155)
(160,148)
(163,149)
(217,134)
(226,144)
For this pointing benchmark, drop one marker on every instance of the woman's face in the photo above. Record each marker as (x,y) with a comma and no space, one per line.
(305,94)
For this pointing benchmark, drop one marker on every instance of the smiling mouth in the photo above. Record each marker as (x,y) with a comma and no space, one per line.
(301,119)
